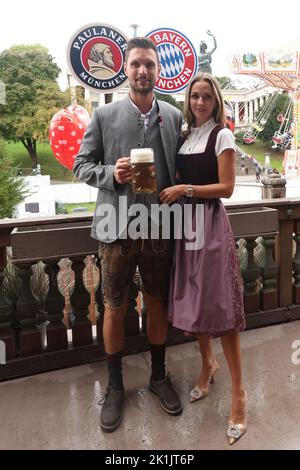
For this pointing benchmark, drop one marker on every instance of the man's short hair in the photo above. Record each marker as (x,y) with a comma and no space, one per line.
(141,43)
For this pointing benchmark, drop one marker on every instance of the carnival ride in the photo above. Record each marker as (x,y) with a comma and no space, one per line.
(283,137)
(263,116)
(280,70)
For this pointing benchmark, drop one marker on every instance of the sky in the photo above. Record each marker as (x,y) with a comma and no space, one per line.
(256,25)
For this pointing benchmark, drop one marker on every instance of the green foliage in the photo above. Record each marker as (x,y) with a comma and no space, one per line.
(239,137)
(49,164)
(260,149)
(168,99)
(32,95)
(226,83)
(80,99)
(12,190)
(272,125)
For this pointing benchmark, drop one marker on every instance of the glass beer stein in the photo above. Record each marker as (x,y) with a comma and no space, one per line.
(143,170)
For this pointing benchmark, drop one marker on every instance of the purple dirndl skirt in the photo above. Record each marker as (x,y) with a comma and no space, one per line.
(206,294)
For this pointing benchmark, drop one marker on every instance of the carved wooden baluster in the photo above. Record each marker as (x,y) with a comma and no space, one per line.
(268,272)
(100,305)
(250,275)
(27,309)
(6,334)
(80,300)
(296,264)
(284,256)
(56,331)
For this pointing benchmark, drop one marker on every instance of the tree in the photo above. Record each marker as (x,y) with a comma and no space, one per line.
(168,99)
(226,83)
(12,189)
(272,125)
(32,95)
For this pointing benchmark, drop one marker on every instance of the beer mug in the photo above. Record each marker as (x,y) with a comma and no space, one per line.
(143,170)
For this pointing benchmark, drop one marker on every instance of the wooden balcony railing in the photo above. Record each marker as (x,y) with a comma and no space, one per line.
(70,313)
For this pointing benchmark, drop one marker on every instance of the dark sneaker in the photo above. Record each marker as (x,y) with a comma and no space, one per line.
(169,400)
(111,413)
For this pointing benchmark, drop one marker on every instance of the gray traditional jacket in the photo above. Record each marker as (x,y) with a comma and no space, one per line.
(114,130)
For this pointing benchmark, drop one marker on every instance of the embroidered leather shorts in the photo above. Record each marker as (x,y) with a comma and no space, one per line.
(119,261)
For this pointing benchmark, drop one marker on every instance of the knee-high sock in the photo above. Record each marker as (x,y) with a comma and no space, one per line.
(158,352)
(114,366)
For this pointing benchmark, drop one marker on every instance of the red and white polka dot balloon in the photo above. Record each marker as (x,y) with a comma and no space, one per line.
(66,132)
(81,113)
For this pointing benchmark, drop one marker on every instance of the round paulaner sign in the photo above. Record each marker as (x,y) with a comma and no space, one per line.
(96,55)
(178,59)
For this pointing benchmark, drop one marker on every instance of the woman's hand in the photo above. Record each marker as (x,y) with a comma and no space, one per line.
(171,194)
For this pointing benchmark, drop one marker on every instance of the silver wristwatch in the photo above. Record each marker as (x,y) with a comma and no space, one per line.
(189,191)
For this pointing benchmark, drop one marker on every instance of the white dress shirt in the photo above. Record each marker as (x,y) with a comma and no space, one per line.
(146,116)
(197,140)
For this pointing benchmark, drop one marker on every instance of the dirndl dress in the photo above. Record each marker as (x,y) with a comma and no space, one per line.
(206,293)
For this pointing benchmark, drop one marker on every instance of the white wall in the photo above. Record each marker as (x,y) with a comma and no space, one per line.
(40,192)
(293,187)
(246,192)
(76,192)
(46,195)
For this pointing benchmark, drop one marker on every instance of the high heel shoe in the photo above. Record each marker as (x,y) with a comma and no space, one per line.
(236,430)
(197,393)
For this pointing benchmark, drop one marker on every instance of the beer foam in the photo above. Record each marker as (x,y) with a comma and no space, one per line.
(141,156)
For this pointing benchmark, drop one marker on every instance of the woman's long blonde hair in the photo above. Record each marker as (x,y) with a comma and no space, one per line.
(219,110)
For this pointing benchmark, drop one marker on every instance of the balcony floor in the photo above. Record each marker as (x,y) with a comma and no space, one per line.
(59,410)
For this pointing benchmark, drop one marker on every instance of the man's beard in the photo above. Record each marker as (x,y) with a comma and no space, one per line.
(142,90)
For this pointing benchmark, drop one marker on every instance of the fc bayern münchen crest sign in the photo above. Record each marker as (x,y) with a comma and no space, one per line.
(178,59)
(96,55)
